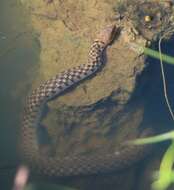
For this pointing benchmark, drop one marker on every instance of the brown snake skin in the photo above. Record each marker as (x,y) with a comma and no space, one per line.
(72,164)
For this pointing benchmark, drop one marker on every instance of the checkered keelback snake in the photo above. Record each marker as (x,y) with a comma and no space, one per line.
(72,164)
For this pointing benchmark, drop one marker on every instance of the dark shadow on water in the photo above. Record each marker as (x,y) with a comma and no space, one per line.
(150,89)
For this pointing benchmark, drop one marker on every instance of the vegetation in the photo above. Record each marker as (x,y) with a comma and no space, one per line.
(152,53)
(165,176)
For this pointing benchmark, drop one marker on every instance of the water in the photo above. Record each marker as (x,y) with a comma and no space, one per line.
(18,59)
(19,56)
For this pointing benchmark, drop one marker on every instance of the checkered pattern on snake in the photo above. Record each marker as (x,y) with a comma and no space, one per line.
(59,83)
(73,164)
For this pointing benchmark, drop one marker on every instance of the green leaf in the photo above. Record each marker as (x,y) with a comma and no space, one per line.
(166,174)
(154,139)
(152,53)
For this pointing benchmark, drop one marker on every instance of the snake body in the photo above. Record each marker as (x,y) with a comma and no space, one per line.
(74,164)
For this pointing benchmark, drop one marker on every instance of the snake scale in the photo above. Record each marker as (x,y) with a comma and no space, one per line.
(74,164)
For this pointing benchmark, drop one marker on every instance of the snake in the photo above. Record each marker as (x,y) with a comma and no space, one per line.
(71,165)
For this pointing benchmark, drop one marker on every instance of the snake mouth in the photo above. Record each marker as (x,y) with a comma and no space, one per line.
(114,33)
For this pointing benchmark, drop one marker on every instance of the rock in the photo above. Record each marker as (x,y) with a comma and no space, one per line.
(66,41)
(101,111)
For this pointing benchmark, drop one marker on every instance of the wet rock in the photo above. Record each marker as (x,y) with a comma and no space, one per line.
(66,41)
(101,111)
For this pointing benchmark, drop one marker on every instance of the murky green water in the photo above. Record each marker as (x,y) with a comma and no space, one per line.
(18,60)
(19,56)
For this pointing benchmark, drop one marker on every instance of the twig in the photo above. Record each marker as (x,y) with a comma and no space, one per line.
(164,78)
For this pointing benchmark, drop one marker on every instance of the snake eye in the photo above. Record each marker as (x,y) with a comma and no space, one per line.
(147,18)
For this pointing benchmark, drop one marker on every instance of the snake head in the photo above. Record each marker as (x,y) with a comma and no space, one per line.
(107,34)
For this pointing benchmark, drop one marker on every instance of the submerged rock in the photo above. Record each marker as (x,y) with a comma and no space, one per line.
(67,29)
(101,111)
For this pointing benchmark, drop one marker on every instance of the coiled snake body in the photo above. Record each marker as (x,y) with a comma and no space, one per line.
(75,164)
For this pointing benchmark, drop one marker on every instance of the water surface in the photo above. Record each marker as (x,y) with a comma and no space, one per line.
(18,59)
